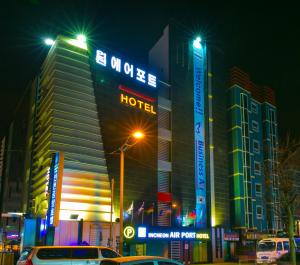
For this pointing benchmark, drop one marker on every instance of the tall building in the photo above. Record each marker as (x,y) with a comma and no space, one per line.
(198,144)
(65,120)
(253,141)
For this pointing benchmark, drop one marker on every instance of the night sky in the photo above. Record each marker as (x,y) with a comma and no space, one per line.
(261,38)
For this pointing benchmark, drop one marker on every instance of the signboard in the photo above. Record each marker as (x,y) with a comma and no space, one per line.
(136,100)
(124,67)
(155,233)
(129,232)
(55,185)
(233,236)
(199,135)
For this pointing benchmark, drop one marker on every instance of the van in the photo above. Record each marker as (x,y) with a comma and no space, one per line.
(69,255)
(270,249)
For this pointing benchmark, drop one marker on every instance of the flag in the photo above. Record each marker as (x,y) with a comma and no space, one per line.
(192,215)
(168,211)
(130,209)
(141,209)
(165,212)
(161,212)
(150,209)
(164,197)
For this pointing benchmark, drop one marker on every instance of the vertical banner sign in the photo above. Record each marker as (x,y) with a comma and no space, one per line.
(56,175)
(199,121)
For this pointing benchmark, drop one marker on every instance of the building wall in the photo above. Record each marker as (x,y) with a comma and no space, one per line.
(182,97)
(254,203)
(67,121)
(270,144)
(14,157)
(219,147)
(118,121)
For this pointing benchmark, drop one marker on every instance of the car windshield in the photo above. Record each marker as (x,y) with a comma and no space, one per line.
(266,246)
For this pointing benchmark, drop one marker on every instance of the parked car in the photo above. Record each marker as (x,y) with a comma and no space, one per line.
(68,255)
(140,260)
(23,257)
(285,259)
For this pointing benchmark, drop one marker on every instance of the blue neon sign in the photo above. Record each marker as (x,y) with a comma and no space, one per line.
(199,134)
(122,66)
(152,233)
(52,188)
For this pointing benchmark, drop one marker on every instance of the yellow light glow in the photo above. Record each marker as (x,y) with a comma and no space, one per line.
(174,205)
(138,135)
(78,43)
(84,206)
(85,215)
(213,221)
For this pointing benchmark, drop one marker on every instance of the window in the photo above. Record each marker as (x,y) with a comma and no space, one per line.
(254,107)
(256,167)
(85,253)
(108,253)
(258,189)
(54,253)
(279,246)
(286,245)
(255,127)
(259,212)
(256,147)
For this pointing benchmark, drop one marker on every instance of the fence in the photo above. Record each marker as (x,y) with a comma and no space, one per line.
(6,258)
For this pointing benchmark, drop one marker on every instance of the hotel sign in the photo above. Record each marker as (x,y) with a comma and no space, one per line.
(134,99)
(123,67)
(187,234)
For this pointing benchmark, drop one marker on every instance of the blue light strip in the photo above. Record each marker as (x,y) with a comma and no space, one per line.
(199,134)
(52,193)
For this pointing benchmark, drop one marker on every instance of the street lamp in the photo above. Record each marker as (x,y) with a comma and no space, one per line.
(49,41)
(130,141)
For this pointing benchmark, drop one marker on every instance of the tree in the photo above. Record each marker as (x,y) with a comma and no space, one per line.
(286,169)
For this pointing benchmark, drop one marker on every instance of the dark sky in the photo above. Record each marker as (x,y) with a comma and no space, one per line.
(262,37)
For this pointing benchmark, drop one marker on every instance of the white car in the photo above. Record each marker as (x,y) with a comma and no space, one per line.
(140,260)
(66,255)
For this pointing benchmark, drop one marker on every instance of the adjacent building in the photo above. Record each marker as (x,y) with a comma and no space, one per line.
(253,137)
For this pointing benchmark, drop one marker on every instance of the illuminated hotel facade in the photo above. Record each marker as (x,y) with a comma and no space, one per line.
(180,180)
(85,105)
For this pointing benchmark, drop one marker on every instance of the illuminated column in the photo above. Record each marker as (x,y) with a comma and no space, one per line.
(199,133)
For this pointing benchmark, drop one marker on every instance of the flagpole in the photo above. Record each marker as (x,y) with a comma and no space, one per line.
(153,204)
(111,211)
(132,213)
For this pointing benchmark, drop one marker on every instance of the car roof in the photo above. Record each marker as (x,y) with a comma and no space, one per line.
(136,258)
(41,247)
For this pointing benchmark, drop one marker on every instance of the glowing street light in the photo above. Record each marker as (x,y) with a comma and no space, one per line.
(79,42)
(137,135)
(49,41)
(197,43)
(81,38)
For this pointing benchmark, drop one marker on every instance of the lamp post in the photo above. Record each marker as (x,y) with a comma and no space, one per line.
(128,144)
